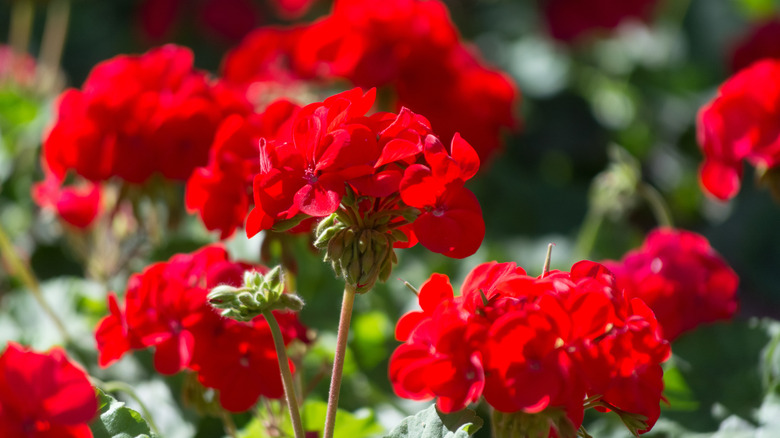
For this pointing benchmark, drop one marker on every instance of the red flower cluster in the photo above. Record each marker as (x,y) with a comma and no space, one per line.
(569,20)
(392,158)
(17,67)
(221,192)
(409,45)
(77,205)
(681,278)
(228,19)
(44,395)
(136,116)
(762,41)
(166,307)
(531,345)
(740,123)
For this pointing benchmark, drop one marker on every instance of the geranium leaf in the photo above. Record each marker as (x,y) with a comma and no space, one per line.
(432,423)
(115,420)
(360,424)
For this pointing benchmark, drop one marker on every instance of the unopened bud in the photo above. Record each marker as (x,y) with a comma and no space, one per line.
(258,294)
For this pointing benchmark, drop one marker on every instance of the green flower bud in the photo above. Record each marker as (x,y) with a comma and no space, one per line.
(258,294)
(335,247)
(365,239)
(286,225)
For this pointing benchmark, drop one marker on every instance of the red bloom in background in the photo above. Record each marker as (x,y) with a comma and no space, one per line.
(44,395)
(166,308)
(569,20)
(19,68)
(221,191)
(740,123)
(531,344)
(292,9)
(410,46)
(228,19)
(761,41)
(136,116)
(77,205)
(681,278)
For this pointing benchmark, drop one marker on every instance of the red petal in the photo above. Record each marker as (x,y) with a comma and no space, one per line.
(720,179)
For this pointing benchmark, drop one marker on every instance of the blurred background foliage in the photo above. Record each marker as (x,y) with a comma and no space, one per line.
(599,119)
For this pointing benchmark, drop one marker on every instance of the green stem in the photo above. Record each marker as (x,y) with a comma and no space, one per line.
(118,386)
(547,260)
(230,425)
(25,274)
(338,360)
(589,232)
(661,212)
(54,33)
(287,380)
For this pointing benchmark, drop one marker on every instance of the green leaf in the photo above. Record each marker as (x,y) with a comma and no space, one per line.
(678,394)
(16,109)
(371,333)
(431,423)
(361,424)
(117,421)
(757,9)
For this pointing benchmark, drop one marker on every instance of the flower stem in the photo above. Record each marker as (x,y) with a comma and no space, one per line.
(586,239)
(21,25)
(657,204)
(547,260)
(338,360)
(230,425)
(287,380)
(54,32)
(26,276)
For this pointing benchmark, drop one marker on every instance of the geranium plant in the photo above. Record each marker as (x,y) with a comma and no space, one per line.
(181,210)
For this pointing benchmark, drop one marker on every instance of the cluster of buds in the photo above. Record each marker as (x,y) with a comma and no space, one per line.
(259,293)
(522,424)
(359,246)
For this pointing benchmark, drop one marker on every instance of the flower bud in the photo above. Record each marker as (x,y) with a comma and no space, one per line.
(259,293)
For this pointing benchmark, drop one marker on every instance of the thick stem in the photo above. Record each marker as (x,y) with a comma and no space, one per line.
(18,267)
(287,380)
(338,360)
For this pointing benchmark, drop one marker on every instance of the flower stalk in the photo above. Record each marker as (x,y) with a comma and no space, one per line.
(338,360)
(287,380)
(19,267)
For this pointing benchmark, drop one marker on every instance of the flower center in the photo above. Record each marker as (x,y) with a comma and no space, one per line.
(311,176)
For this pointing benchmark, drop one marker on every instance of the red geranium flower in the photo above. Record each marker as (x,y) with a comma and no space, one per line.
(44,395)
(136,116)
(166,308)
(762,41)
(740,123)
(569,20)
(410,46)
(537,345)
(77,205)
(681,278)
